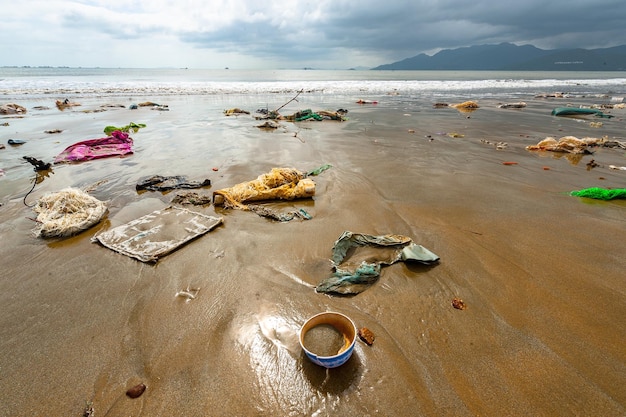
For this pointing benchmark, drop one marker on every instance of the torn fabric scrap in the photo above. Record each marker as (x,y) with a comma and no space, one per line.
(357,259)
(157,234)
(163,183)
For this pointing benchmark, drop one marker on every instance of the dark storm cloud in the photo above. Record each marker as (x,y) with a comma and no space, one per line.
(395,30)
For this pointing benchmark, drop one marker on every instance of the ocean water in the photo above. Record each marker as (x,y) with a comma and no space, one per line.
(36,83)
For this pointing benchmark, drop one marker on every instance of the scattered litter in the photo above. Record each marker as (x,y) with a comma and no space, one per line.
(458,304)
(53,131)
(118,144)
(67,213)
(154,235)
(455,135)
(12,108)
(509,163)
(89,410)
(38,163)
(572,144)
(466,106)
(550,95)
(578,111)
(16,142)
(134,127)
(440,105)
(616,167)
(498,145)
(518,105)
(360,101)
(366,335)
(592,164)
(64,104)
(136,391)
(318,170)
(269,124)
(319,115)
(595,124)
(600,193)
(278,184)
(192,198)
(189,294)
(153,106)
(281,217)
(166,183)
(356,272)
(235,111)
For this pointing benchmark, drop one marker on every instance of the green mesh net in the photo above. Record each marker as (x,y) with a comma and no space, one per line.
(600,193)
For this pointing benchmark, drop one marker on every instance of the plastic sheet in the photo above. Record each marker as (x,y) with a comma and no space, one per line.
(355,271)
(157,234)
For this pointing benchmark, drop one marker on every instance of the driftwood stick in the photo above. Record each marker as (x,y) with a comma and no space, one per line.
(293,99)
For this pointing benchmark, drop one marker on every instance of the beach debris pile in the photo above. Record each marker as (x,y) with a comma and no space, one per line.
(12,108)
(271,116)
(357,259)
(572,144)
(117,144)
(319,115)
(67,212)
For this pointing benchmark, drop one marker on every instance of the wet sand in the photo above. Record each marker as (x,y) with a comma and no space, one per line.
(541,272)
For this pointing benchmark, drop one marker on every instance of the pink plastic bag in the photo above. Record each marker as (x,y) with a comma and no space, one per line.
(119,143)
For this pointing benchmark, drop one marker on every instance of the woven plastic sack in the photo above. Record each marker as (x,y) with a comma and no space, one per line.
(67,213)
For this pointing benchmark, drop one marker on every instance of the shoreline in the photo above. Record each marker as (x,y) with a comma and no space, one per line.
(541,272)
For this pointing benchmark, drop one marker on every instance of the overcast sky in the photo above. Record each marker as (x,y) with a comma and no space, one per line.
(268,34)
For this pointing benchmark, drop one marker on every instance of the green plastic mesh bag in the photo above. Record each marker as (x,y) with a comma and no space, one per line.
(600,193)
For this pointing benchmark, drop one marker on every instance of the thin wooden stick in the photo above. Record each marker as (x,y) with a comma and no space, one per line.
(293,99)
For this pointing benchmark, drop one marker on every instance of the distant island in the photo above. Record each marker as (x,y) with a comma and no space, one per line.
(510,57)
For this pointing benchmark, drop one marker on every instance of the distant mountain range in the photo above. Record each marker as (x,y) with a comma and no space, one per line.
(510,57)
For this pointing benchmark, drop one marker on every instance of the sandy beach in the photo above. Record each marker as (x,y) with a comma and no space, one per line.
(541,272)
